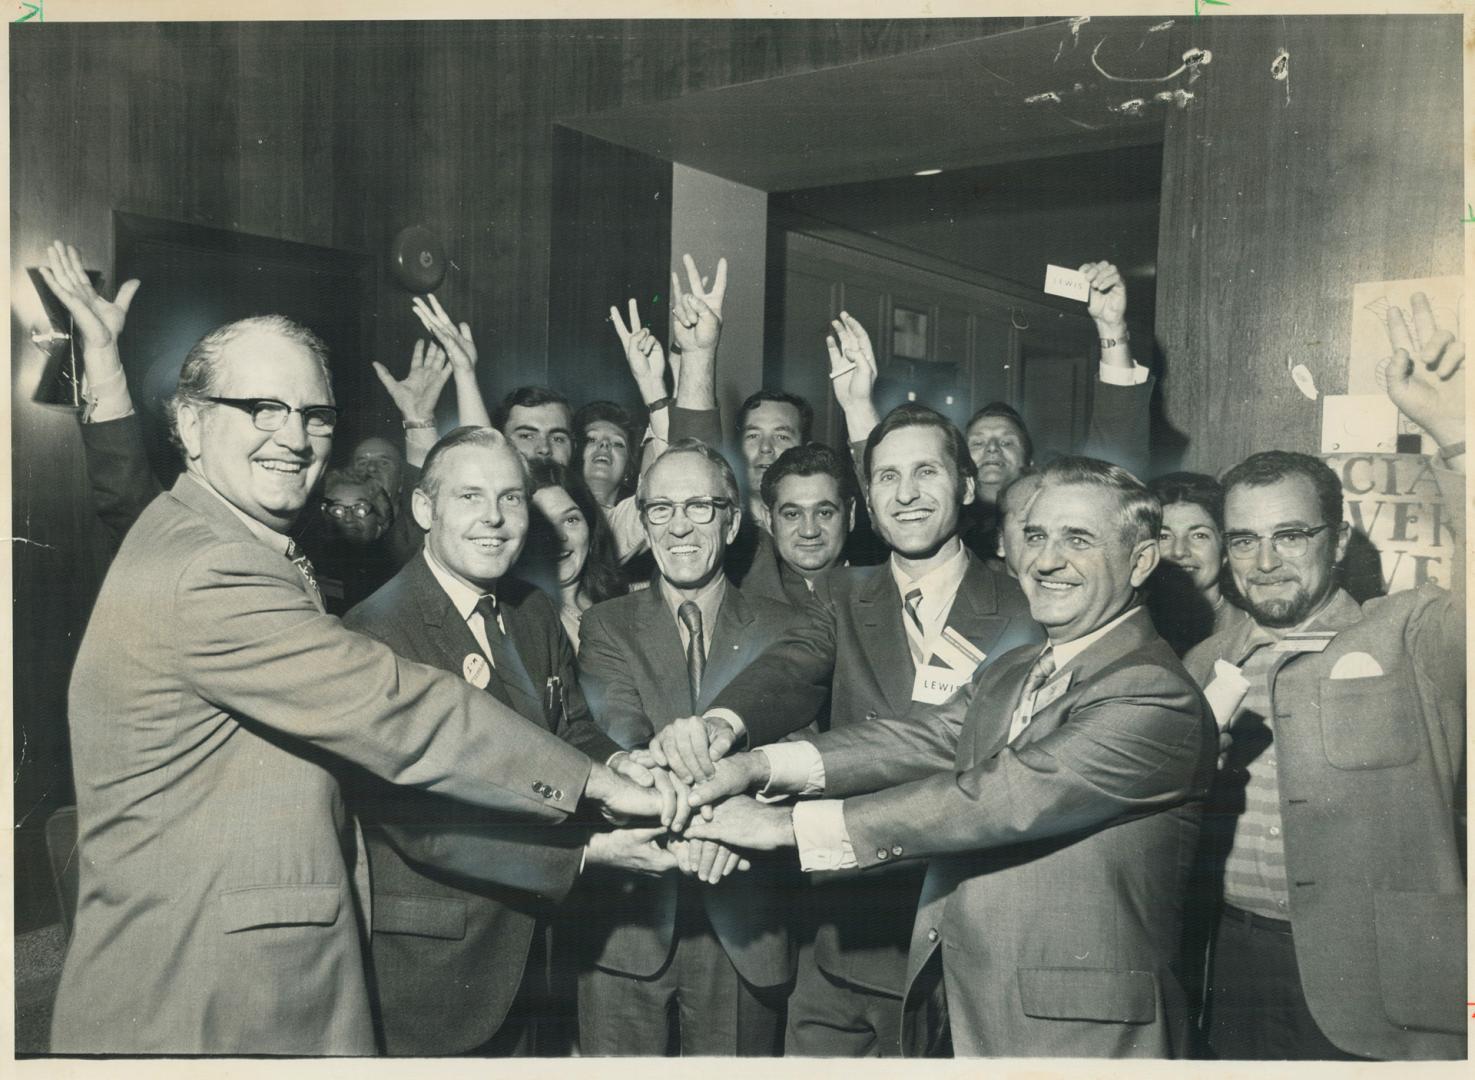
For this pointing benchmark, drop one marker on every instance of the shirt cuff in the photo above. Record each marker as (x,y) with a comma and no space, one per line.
(820,836)
(108,400)
(1136,375)
(739,729)
(794,768)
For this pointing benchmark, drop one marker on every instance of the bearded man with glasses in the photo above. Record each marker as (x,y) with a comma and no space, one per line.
(721,951)
(1333,841)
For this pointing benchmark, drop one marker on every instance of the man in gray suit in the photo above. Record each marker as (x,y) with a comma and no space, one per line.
(210,698)
(879,638)
(719,954)
(1057,797)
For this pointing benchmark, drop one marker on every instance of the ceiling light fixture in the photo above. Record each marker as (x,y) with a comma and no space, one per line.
(926,172)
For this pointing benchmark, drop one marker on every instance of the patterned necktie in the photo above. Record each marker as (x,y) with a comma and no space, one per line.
(304,567)
(1038,676)
(916,642)
(696,651)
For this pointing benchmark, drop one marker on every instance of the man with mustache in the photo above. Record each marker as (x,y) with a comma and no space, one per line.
(1335,830)
(880,638)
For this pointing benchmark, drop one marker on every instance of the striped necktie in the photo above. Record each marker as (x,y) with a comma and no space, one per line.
(916,641)
(1039,675)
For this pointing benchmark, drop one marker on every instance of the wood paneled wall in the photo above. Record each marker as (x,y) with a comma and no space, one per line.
(333,134)
(1278,196)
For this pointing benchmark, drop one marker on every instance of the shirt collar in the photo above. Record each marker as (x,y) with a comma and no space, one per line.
(709,600)
(1065,653)
(277,541)
(942,580)
(462,595)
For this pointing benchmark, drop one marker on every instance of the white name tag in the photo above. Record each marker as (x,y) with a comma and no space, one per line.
(935,683)
(1310,641)
(476,670)
(1050,693)
(1071,284)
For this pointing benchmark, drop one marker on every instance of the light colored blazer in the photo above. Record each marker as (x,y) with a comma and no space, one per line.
(208,703)
(1054,895)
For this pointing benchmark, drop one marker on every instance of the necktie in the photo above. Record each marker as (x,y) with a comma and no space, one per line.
(486,607)
(916,636)
(696,651)
(304,567)
(1038,676)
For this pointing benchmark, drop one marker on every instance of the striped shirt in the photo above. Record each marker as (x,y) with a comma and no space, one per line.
(1255,870)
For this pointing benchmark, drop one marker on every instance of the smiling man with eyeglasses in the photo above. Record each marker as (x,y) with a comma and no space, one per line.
(1332,872)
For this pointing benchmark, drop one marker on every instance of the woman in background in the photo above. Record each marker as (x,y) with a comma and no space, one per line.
(1186,593)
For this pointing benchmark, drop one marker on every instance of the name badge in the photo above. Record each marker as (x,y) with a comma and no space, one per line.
(476,670)
(935,683)
(1310,641)
(1050,693)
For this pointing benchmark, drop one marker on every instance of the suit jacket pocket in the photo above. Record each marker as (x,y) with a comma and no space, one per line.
(1114,995)
(1369,723)
(280,905)
(1421,958)
(424,916)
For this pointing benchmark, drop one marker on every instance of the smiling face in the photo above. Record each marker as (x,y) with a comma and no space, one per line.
(558,506)
(1078,571)
(267,475)
(688,555)
(606,455)
(541,431)
(810,522)
(1190,540)
(996,446)
(913,491)
(1281,591)
(478,519)
(768,430)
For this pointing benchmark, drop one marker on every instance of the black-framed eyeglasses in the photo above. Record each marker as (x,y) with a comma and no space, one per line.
(697,511)
(1288,543)
(268,414)
(343,511)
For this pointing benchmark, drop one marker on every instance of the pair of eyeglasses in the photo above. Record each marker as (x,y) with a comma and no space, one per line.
(697,511)
(344,511)
(268,414)
(1288,543)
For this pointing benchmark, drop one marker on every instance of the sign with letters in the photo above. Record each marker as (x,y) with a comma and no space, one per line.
(1394,502)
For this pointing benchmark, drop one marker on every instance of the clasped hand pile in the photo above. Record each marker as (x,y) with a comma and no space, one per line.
(703,810)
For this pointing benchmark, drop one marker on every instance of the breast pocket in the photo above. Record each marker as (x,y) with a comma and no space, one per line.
(1369,723)
(423,916)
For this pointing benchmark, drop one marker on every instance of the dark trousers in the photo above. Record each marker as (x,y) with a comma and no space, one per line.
(1256,1008)
(697,1004)
(832,1018)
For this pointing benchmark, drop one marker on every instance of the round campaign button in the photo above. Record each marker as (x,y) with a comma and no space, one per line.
(477,671)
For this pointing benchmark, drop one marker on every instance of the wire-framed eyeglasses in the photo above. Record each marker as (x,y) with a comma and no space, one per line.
(268,414)
(697,511)
(1288,543)
(344,511)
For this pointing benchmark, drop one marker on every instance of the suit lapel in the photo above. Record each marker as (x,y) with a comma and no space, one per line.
(876,607)
(445,627)
(986,729)
(522,688)
(726,656)
(660,650)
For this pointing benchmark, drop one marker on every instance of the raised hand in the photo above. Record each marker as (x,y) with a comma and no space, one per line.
(1426,380)
(742,822)
(456,340)
(416,394)
(696,316)
(706,860)
(852,363)
(631,849)
(643,353)
(676,805)
(690,745)
(1108,302)
(99,321)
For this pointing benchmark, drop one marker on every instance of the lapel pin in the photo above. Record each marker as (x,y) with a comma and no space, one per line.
(476,671)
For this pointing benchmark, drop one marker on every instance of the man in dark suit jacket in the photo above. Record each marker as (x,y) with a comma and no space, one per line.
(721,953)
(210,699)
(1060,831)
(459,930)
(864,643)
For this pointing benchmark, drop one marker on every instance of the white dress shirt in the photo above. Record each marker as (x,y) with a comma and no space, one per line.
(464,598)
